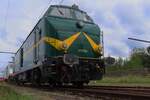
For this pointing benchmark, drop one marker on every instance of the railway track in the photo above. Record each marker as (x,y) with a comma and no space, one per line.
(101,92)
(112,92)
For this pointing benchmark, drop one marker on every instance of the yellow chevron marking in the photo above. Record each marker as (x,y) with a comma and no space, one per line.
(96,48)
(70,40)
(61,45)
(54,42)
(58,44)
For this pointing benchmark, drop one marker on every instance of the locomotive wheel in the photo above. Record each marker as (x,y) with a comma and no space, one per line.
(78,84)
(17,82)
(59,84)
(52,83)
(36,77)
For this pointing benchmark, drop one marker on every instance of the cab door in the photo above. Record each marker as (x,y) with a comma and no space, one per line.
(37,37)
(21,57)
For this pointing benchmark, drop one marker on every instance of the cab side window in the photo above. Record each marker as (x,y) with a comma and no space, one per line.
(40,34)
(21,57)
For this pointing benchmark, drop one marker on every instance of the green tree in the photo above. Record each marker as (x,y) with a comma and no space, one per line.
(120,62)
(139,57)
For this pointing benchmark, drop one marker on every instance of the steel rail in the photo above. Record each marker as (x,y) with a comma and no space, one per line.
(121,92)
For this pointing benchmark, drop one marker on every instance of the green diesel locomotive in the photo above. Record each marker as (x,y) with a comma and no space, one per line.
(64,47)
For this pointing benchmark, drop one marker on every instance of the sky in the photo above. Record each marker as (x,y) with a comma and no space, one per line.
(118,19)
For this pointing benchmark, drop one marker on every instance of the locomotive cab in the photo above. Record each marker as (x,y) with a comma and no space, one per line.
(73,39)
(72,31)
(64,47)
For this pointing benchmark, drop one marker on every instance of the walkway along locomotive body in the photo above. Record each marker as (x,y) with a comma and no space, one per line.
(63,47)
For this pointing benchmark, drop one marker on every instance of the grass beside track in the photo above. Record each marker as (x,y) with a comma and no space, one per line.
(124,80)
(7,93)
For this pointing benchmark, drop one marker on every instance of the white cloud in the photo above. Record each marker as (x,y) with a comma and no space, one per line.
(119,19)
(117,28)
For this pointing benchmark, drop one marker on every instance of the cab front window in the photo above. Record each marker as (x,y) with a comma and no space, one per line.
(82,16)
(61,12)
(71,13)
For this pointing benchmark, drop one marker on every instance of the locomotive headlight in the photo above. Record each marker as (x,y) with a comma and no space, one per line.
(64,46)
(97,66)
(99,49)
(70,59)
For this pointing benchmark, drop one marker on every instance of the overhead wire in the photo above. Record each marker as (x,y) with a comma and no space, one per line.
(61,1)
(5,24)
(4,52)
(5,29)
(42,13)
(4,62)
(6,16)
(7,11)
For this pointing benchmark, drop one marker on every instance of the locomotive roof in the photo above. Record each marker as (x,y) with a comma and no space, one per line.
(65,6)
(75,7)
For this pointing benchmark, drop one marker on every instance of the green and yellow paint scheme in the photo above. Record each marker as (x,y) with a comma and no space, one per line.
(58,34)
(65,44)
(65,37)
